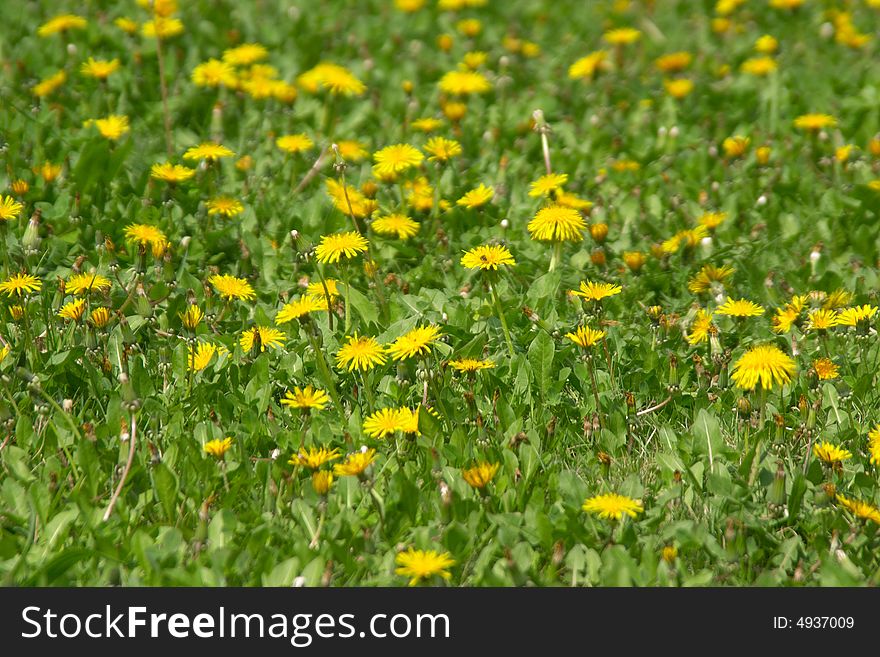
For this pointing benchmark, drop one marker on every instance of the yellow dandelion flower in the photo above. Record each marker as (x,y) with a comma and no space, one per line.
(759,66)
(294,143)
(822,320)
(245,54)
(262,335)
(218,448)
(396,225)
(299,308)
(73,310)
(231,287)
(831,453)
(586,67)
(427,124)
(814,122)
(673,62)
(393,160)
(414,343)
(470,365)
(338,80)
(113,126)
(85,283)
(557,223)
(384,422)
(162,27)
(487,256)
(613,506)
(874,444)
(306,398)
(423,564)
(99,317)
(362,353)
(593,291)
(20,284)
(214,73)
(701,328)
(49,85)
(199,357)
(441,149)
(709,274)
(547,184)
(837,299)
(825,369)
(856,315)
(477,197)
(9,208)
(678,87)
(740,308)
(464,83)
(314,458)
(316,289)
(736,146)
(860,509)
(61,23)
(171,173)
(100,69)
(322,480)
(622,36)
(635,260)
(765,364)
(585,336)
(191,317)
(712,220)
(126,24)
(208,150)
(338,245)
(225,206)
(48,171)
(480,475)
(355,464)
(352,151)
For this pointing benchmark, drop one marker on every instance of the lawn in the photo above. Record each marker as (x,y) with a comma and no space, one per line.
(439,292)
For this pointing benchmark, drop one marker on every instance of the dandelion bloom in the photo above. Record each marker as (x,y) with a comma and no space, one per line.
(49,85)
(427,124)
(113,126)
(765,364)
(338,245)
(200,356)
(622,36)
(464,83)
(740,308)
(586,67)
(245,54)
(317,289)
(306,398)
(679,87)
(225,206)
(477,197)
(172,173)
(547,184)
(831,453)
(207,150)
(48,171)
(593,291)
(874,444)
(423,564)
(814,122)
(9,208)
(163,27)
(441,149)
(294,143)
(300,308)
(383,422)
(855,316)
(99,69)
(73,310)
(214,73)
(557,223)
(231,287)
(480,475)
(191,317)
(61,23)
(612,506)
(822,320)
(218,448)
(635,260)
(338,80)
(322,480)
(355,464)
(146,235)
(701,328)
(264,335)
(396,225)
(860,509)
(351,150)
(736,146)
(349,201)
(825,369)
(759,66)
(712,219)
(487,256)
(362,353)
(585,336)
(85,283)
(470,364)
(99,317)
(414,343)
(20,284)
(314,458)
(396,159)
(673,62)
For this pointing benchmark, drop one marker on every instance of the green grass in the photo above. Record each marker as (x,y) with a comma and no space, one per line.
(743,502)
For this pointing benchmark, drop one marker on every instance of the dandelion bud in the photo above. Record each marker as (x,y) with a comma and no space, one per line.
(669,554)
(20,187)
(713,151)
(503,61)
(823,136)
(321,481)
(407,86)
(445,494)
(597,257)
(444,42)
(873,147)
(776,491)
(599,232)
(743,406)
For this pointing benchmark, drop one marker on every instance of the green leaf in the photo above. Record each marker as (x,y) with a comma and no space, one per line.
(166,489)
(541,353)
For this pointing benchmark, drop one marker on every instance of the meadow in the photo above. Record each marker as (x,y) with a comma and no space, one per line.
(439,292)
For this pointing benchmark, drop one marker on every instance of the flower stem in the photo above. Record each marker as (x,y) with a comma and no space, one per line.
(500,312)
